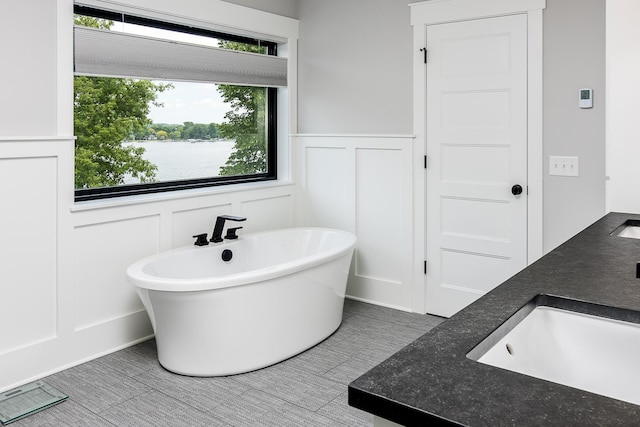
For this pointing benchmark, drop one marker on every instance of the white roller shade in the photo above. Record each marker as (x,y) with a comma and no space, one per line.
(116,54)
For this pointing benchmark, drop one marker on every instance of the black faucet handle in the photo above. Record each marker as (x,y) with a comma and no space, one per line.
(201,239)
(231,233)
(233,218)
(216,236)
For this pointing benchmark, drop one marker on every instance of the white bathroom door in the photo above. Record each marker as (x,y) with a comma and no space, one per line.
(477,156)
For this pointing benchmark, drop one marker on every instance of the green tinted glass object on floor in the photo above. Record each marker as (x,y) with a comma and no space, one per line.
(28,399)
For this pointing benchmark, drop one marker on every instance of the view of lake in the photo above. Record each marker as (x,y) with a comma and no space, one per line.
(184,159)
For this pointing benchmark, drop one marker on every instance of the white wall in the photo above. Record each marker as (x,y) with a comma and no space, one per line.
(62,265)
(279,7)
(355,67)
(355,73)
(574,58)
(623,86)
(29,96)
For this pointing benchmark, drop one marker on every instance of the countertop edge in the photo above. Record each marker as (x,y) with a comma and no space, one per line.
(431,379)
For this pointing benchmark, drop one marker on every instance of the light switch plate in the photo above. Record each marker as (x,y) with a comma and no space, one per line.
(563,166)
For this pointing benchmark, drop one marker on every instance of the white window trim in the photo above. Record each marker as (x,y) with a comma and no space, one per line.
(226,17)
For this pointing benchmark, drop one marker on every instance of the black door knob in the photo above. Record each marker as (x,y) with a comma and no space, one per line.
(516,190)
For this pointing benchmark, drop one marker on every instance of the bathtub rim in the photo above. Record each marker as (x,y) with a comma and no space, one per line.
(138,278)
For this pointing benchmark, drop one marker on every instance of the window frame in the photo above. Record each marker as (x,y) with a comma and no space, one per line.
(87,194)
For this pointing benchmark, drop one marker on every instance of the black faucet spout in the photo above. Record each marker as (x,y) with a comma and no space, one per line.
(216,237)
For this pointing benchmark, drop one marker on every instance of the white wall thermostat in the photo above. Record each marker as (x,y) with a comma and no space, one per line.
(585,98)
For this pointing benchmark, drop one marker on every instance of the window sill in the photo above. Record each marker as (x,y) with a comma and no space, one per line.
(123,201)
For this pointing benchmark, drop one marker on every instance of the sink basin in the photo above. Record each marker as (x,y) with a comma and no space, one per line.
(569,346)
(631,229)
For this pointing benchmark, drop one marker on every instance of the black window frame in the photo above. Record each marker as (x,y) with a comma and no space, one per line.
(87,194)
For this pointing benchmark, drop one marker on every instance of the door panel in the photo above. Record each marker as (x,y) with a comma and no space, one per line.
(477,146)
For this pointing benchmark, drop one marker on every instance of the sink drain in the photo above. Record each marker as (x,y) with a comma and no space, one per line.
(509,349)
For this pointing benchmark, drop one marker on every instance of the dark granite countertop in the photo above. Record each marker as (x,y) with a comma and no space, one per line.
(432,381)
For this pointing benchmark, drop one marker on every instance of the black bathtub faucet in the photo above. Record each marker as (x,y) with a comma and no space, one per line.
(216,237)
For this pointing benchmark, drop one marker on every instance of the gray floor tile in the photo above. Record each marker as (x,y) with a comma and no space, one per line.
(349,370)
(294,386)
(383,314)
(68,414)
(369,339)
(202,393)
(424,322)
(317,360)
(155,409)
(130,388)
(134,360)
(258,408)
(96,386)
(339,411)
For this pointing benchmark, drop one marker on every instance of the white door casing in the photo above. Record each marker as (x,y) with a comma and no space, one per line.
(477,150)
(434,12)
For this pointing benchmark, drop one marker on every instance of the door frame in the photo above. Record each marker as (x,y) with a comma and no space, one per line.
(443,11)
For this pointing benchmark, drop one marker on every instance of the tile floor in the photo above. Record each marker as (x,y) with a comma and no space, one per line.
(130,388)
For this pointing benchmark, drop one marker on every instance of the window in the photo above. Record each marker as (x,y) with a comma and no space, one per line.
(138,125)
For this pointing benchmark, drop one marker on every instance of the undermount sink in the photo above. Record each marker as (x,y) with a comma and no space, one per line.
(631,229)
(562,341)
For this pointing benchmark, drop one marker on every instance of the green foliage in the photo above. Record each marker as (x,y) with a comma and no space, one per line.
(106,111)
(246,123)
(174,132)
(87,21)
(199,131)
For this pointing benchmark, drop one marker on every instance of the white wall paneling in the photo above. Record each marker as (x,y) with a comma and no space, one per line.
(31,172)
(329,185)
(29,263)
(102,254)
(364,184)
(63,285)
(268,213)
(91,309)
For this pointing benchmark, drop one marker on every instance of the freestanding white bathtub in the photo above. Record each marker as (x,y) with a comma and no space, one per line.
(281,293)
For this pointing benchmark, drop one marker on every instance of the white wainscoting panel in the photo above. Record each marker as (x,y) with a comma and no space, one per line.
(31,173)
(328,180)
(28,285)
(364,184)
(102,253)
(267,213)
